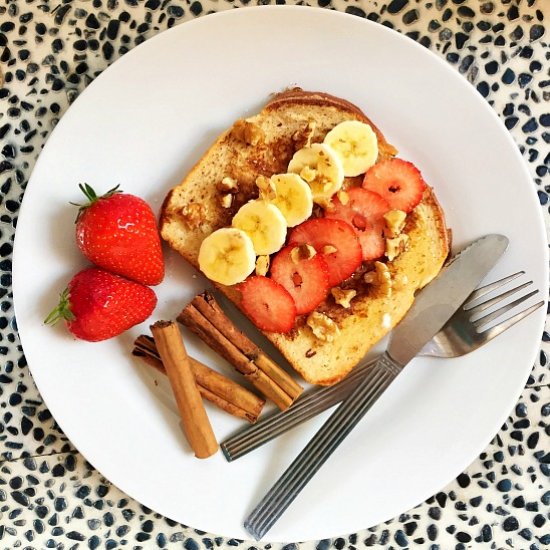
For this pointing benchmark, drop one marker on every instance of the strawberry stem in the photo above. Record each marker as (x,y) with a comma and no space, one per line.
(92,196)
(61,311)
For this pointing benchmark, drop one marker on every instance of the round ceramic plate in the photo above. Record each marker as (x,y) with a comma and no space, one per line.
(142,124)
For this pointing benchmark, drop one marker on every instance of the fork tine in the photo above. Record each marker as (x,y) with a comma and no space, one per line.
(497,299)
(482,291)
(504,309)
(500,328)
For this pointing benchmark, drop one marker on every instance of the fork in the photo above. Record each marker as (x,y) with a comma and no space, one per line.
(466,331)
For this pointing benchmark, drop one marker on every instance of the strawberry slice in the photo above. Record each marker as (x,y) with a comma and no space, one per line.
(305,279)
(364,211)
(268,304)
(338,234)
(398,181)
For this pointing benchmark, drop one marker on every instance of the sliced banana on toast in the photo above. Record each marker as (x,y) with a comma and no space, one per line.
(227,256)
(293,197)
(356,145)
(264,223)
(321,168)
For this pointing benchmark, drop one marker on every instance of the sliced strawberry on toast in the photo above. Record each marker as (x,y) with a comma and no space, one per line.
(398,181)
(306,279)
(268,304)
(364,211)
(336,241)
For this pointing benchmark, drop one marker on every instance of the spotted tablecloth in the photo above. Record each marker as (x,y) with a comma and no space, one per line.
(50,497)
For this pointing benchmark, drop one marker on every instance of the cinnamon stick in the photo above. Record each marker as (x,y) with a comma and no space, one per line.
(205,318)
(213,386)
(196,425)
(207,305)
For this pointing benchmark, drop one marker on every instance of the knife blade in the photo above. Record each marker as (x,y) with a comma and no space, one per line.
(434,305)
(432,308)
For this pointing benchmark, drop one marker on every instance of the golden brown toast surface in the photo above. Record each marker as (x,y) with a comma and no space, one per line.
(263,145)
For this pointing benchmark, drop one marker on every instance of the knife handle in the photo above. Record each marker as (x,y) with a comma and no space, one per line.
(321,446)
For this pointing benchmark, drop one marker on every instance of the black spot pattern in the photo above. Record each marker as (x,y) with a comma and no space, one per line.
(50,497)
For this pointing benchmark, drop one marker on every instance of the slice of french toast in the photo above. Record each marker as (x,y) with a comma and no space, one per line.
(226,177)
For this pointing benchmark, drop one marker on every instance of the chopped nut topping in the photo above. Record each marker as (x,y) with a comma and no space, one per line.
(308,174)
(328,249)
(395,222)
(302,252)
(380,277)
(370,277)
(228,185)
(343,297)
(192,214)
(325,203)
(310,353)
(227,200)
(322,326)
(262,265)
(247,132)
(266,187)
(327,185)
(343,197)
(395,246)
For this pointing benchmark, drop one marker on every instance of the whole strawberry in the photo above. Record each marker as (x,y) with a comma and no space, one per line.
(97,305)
(118,232)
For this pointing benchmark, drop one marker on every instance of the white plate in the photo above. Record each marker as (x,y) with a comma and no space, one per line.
(142,124)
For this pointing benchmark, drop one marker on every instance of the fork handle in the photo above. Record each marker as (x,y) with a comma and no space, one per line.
(321,446)
(307,406)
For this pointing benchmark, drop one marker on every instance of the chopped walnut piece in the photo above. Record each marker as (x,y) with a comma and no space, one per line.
(328,249)
(370,277)
(247,132)
(226,200)
(325,203)
(395,246)
(228,185)
(302,252)
(343,197)
(308,174)
(266,187)
(322,326)
(192,214)
(380,277)
(343,297)
(395,222)
(262,265)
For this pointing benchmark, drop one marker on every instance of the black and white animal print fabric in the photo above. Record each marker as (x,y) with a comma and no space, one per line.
(50,497)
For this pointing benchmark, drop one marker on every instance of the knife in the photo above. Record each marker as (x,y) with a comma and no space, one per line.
(432,308)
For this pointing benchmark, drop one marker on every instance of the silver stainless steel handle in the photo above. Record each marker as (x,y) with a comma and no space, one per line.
(306,406)
(321,446)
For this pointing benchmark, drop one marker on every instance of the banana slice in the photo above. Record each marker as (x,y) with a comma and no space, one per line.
(356,145)
(320,166)
(264,223)
(293,198)
(227,256)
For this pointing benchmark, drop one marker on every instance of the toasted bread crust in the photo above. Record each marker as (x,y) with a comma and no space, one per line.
(297,96)
(193,209)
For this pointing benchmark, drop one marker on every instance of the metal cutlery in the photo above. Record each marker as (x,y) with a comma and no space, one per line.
(431,310)
(462,334)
